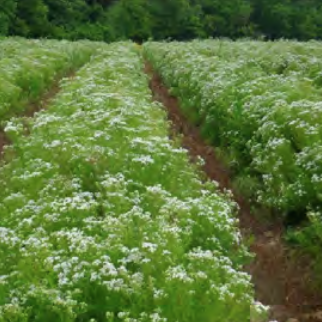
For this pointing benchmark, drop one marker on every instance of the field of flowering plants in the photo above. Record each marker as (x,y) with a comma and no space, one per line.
(103,217)
(28,67)
(260,103)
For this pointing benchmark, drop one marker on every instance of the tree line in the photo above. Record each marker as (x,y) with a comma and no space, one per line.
(110,20)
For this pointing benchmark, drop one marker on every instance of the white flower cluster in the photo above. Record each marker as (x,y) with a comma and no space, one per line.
(29,67)
(261,103)
(103,218)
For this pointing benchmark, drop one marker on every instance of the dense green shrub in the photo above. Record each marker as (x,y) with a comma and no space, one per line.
(178,19)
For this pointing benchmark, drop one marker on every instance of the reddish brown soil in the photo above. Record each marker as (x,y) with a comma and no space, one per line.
(35,106)
(281,280)
(3,141)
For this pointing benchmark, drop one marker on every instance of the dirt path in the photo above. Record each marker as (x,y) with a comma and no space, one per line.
(35,106)
(3,141)
(280,280)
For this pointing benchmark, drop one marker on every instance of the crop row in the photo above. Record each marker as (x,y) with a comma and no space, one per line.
(12,46)
(103,217)
(260,103)
(29,67)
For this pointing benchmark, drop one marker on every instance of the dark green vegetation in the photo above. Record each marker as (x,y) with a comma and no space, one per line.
(111,20)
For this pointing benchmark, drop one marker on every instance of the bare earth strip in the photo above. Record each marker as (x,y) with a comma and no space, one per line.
(281,280)
(3,141)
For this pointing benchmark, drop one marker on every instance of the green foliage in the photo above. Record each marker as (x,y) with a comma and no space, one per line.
(260,102)
(173,19)
(7,12)
(130,19)
(31,19)
(28,68)
(161,19)
(225,18)
(103,217)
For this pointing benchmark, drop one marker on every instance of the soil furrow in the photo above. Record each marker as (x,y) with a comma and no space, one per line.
(281,280)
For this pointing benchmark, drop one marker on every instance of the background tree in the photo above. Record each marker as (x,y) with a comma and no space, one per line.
(31,19)
(7,13)
(225,18)
(111,20)
(130,19)
(77,19)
